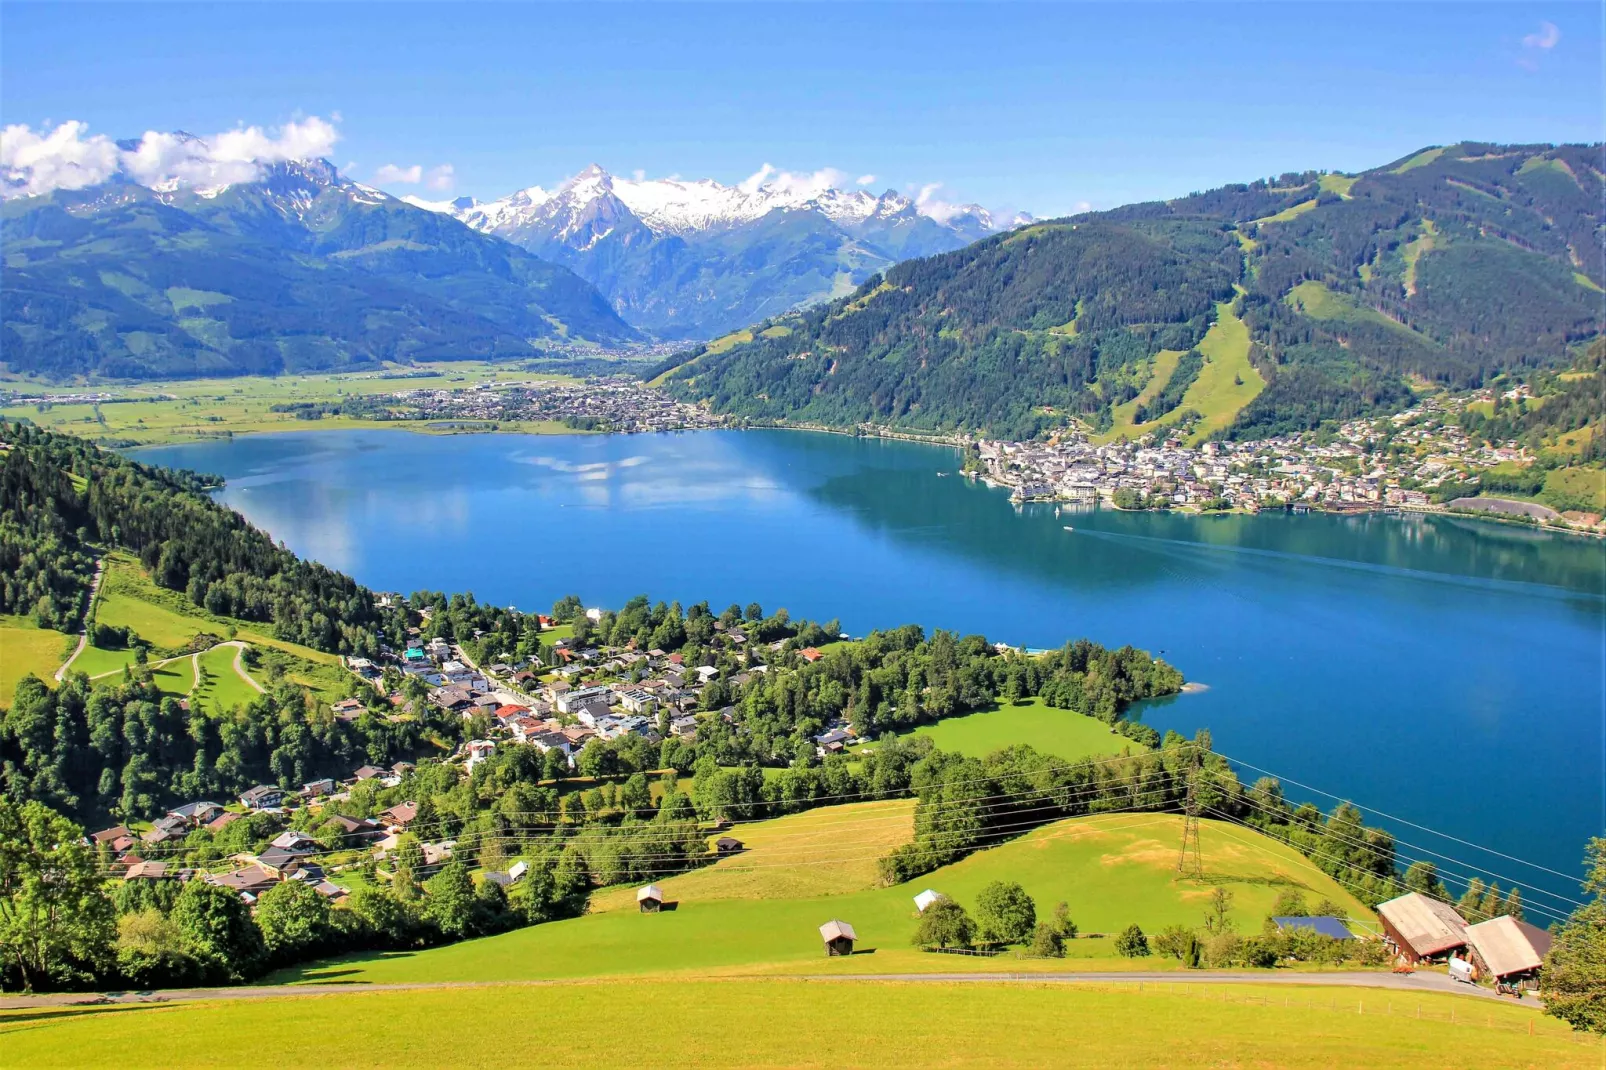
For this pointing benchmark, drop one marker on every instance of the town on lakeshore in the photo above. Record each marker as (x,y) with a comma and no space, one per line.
(1419,460)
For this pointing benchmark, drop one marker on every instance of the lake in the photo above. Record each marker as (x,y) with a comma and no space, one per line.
(1444,671)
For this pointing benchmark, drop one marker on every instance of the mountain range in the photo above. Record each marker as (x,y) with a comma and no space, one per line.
(1252,309)
(298,270)
(695,259)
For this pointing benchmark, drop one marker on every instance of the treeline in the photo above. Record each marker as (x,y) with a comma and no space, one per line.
(126,750)
(968,803)
(63,498)
(67,927)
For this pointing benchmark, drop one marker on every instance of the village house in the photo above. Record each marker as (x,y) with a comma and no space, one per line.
(248,881)
(1417,928)
(262,797)
(196,813)
(1508,951)
(398,817)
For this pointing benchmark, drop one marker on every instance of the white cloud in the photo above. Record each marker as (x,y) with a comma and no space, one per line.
(753,181)
(62,159)
(803,183)
(442,178)
(391,175)
(69,157)
(1547,37)
(639,174)
(929,204)
(866,180)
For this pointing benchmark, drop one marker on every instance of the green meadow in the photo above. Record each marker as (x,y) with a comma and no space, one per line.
(1066,733)
(792,1023)
(27,648)
(751,913)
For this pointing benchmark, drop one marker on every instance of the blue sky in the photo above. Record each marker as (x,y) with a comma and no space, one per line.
(1045,107)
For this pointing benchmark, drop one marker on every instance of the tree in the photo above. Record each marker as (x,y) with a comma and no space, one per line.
(1423,878)
(1470,905)
(294,921)
(1132,943)
(1180,943)
(409,863)
(1290,904)
(1573,982)
(945,924)
(216,930)
(56,923)
(1005,914)
(571,880)
(1047,943)
(449,899)
(1513,905)
(1326,908)
(1062,921)
(1217,918)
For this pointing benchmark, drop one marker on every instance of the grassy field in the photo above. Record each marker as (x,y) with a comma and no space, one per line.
(188,409)
(781,1023)
(1165,362)
(1339,184)
(740,916)
(1291,212)
(1228,381)
(27,648)
(224,689)
(792,1023)
(1421,159)
(1587,484)
(1063,732)
(1413,252)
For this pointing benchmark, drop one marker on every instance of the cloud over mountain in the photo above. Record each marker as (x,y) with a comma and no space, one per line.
(70,157)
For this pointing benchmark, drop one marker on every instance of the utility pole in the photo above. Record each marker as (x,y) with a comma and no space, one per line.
(1189,863)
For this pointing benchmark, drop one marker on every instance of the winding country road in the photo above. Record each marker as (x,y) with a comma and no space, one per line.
(239,646)
(89,620)
(1420,983)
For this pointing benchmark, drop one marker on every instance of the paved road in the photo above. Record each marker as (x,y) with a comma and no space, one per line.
(89,619)
(1419,982)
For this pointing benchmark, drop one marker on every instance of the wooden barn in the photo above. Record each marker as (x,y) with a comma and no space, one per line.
(650,899)
(1508,951)
(839,937)
(1417,928)
(728,845)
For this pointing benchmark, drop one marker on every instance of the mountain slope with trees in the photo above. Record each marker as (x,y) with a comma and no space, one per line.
(299,271)
(1447,267)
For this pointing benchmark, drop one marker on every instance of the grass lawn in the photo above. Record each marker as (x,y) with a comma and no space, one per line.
(1063,732)
(733,918)
(176,678)
(1228,381)
(776,1023)
(224,689)
(189,409)
(27,648)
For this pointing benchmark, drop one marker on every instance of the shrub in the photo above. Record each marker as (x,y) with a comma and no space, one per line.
(1047,943)
(1132,943)
(1179,942)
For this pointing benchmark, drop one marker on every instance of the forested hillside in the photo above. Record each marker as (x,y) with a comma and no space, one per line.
(1447,267)
(62,498)
(300,271)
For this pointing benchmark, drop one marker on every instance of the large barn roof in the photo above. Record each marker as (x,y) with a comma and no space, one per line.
(1429,926)
(1509,946)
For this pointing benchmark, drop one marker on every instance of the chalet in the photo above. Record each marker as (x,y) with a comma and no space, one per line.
(146,871)
(314,789)
(706,673)
(810,654)
(262,797)
(728,845)
(1508,951)
(926,898)
(1417,928)
(398,817)
(116,832)
(650,899)
(1325,926)
(223,821)
(367,772)
(548,740)
(165,829)
(438,854)
(402,768)
(348,709)
(832,742)
(248,881)
(332,892)
(196,813)
(454,699)
(839,937)
(359,828)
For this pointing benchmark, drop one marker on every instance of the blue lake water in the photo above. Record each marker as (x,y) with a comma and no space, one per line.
(1445,671)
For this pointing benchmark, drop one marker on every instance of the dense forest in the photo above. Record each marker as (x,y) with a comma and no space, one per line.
(1450,266)
(61,497)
